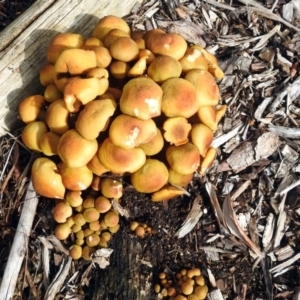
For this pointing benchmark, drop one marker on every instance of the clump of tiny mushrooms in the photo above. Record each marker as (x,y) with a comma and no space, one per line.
(187,284)
(142,105)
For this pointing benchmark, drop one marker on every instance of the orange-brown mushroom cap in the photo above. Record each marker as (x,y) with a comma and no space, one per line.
(166,193)
(46,180)
(119,160)
(202,137)
(141,98)
(74,150)
(176,130)
(128,132)
(30,107)
(179,98)
(94,117)
(184,159)
(151,177)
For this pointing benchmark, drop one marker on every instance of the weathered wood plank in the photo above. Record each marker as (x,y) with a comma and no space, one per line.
(22,58)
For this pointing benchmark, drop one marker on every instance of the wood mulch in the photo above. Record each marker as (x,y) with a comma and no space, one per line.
(247,239)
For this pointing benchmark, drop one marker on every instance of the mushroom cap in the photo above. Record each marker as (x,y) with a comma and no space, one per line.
(166,193)
(124,49)
(184,159)
(111,188)
(208,93)
(202,137)
(145,53)
(102,204)
(207,116)
(75,61)
(176,130)
(80,91)
(32,134)
(61,42)
(179,179)
(62,231)
(91,42)
(207,160)
(52,93)
(171,44)
(151,177)
(141,98)
(46,180)
(103,57)
(164,67)
(75,179)
(57,117)
(74,150)
(111,218)
(139,68)
(212,62)
(113,35)
(96,166)
(193,59)
(47,73)
(201,291)
(119,160)
(179,98)
(49,142)
(128,132)
(119,69)
(92,240)
(94,118)
(75,251)
(108,23)
(30,107)
(61,212)
(87,252)
(187,288)
(155,145)
(74,198)
(91,214)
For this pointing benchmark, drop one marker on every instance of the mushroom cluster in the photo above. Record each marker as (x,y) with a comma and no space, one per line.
(188,284)
(142,105)
(91,219)
(140,229)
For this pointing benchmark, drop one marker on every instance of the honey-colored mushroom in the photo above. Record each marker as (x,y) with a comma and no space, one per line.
(151,177)
(176,130)
(119,160)
(94,118)
(128,132)
(179,98)
(201,136)
(184,159)
(61,212)
(124,49)
(30,107)
(75,179)
(141,98)
(46,180)
(111,188)
(74,150)
(166,193)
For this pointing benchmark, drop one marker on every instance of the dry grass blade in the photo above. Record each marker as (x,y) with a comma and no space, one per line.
(59,280)
(234,227)
(191,219)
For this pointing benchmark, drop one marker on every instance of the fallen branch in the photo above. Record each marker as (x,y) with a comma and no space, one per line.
(19,246)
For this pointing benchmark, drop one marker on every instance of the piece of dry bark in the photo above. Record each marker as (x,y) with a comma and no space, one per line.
(250,152)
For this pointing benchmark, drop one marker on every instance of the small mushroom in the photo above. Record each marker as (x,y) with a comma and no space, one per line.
(47,74)
(75,251)
(111,218)
(119,69)
(62,231)
(113,35)
(166,193)
(207,116)
(154,146)
(61,212)
(193,59)
(207,160)
(73,198)
(48,143)
(52,93)
(111,188)
(124,49)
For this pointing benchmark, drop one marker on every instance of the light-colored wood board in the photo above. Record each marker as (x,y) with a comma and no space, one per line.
(21,61)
